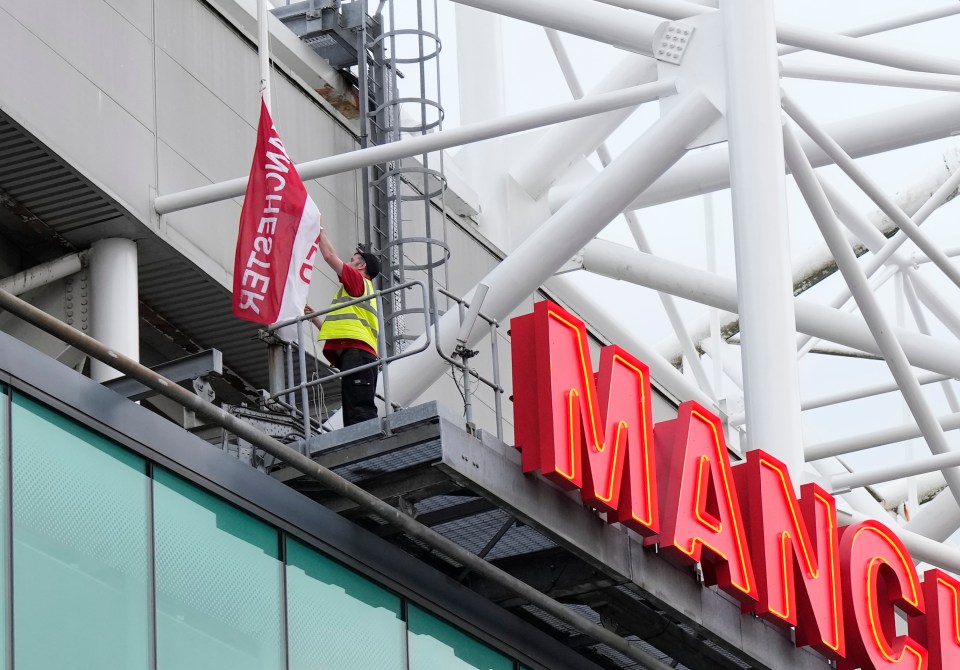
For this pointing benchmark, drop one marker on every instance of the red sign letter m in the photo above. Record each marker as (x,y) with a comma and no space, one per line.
(594,433)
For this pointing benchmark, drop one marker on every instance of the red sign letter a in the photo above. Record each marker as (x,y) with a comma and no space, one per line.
(701,520)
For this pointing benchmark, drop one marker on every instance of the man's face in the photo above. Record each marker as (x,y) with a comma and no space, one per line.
(357,262)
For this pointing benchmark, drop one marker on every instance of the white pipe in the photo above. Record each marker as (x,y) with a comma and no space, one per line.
(892,352)
(422,144)
(705,171)
(570,76)
(898,492)
(918,80)
(610,25)
(558,239)
(620,262)
(941,309)
(723,354)
(761,235)
(558,147)
(674,10)
(866,391)
(876,438)
(803,37)
(893,23)
(920,259)
(813,264)
(909,275)
(43,274)
(871,52)
(263,50)
(921,547)
(566,66)
(919,466)
(868,186)
(908,201)
(114,302)
(938,519)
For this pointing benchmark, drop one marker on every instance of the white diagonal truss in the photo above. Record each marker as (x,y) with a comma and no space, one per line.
(748,79)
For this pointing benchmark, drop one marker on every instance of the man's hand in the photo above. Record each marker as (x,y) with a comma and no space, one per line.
(317,320)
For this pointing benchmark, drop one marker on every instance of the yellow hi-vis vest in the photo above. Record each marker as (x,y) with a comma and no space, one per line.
(353,322)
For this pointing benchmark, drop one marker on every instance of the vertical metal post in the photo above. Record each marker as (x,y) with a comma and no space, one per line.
(263,50)
(115,306)
(288,371)
(384,372)
(465,369)
(761,238)
(497,401)
(304,393)
(275,368)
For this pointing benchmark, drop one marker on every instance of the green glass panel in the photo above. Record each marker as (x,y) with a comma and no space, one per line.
(435,645)
(81,589)
(338,620)
(218,583)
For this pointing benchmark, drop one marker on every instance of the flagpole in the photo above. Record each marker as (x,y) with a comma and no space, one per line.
(263,48)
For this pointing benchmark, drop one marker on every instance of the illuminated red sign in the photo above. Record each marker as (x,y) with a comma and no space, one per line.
(784,558)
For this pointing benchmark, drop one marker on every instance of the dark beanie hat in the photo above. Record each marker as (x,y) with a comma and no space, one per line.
(372,261)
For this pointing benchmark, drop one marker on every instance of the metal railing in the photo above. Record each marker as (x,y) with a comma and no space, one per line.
(293,389)
(460,359)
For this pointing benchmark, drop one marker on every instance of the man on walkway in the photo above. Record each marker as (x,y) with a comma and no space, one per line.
(350,333)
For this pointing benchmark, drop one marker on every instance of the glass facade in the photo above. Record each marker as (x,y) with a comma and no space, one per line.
(118,563)
(79,546)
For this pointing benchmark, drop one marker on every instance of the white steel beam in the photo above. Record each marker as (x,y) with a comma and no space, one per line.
(940,308)
(856,394)
(761,235)
(868,186)
(673,314)
(114,302)
(889,346)
(803,37)
(43,274)
(921,546)
(938,519)
(559,146)
(557,240)
(914,304)
(893,23)
(620,28)
(706,171)
(871,52)
(421,144)
(876,438)
(919,466)
(875,77)
(620,262)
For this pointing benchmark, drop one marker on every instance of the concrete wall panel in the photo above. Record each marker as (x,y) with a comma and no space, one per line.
(99,43)
(64,109)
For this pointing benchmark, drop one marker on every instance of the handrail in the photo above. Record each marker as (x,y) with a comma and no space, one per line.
(466,370)
(305,385)
(322,475)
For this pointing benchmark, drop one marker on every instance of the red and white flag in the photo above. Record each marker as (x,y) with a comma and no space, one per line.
(279,233)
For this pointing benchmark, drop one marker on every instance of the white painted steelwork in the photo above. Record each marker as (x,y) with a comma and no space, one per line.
(114,301)
(760,232)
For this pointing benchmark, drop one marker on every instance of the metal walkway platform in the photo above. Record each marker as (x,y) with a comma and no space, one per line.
(471,489)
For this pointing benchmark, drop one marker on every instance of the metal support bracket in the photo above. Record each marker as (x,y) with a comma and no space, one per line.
(181,370)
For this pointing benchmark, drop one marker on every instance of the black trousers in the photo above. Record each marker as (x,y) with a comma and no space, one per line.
(358,390)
